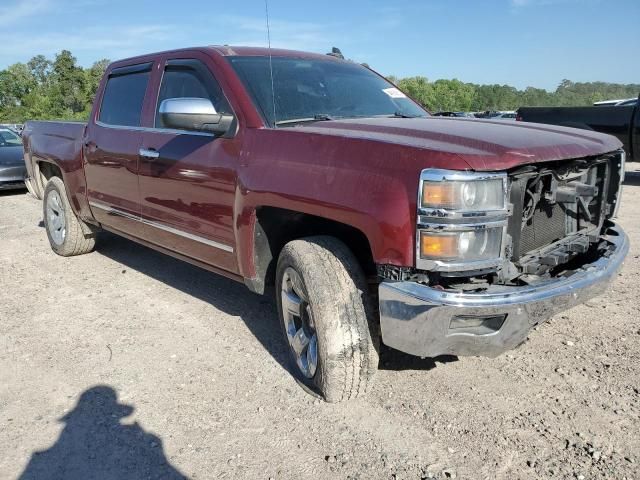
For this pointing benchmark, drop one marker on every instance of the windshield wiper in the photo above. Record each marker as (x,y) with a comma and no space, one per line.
(316,118)
(392,115)
(400,114)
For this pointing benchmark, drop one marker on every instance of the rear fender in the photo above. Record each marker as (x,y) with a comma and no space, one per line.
(57,148)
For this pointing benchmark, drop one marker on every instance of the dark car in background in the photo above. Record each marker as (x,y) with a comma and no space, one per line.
(621,121)
(12,167)
(16,127)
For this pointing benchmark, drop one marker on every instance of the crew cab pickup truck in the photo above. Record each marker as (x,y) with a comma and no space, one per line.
(622,121)
(314,178)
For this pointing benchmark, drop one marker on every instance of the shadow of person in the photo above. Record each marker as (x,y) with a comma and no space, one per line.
(95,445)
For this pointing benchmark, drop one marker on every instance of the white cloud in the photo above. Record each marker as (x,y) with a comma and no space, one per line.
(114,42)
(21,9)
(285,34)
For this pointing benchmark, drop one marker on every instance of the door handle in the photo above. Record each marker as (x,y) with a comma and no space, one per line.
(149,153)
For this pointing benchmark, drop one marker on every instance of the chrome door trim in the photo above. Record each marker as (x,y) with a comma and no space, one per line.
(154,130)
(109,209)
(160,226)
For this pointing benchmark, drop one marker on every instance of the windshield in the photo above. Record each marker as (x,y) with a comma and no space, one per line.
(310,90)
(9,139)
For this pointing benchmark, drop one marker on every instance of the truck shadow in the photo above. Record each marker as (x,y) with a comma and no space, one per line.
(14,192)
(258,312)
(391,359)
(94,444)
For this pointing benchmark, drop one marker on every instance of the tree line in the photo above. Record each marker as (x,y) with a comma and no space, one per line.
(58,88)
(44,89)
(454,95)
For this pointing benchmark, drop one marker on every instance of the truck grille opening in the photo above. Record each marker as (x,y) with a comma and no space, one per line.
(558,210)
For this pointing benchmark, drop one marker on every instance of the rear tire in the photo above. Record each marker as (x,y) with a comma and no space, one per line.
(325,314)
(64,229)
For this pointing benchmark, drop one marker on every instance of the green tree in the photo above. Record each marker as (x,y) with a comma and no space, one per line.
(40,68)
(93,76)
(451,95)
(16,83)
(68,87)
(417,88)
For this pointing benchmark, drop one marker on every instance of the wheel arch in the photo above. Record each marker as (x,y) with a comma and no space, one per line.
(274,227)
(46,170)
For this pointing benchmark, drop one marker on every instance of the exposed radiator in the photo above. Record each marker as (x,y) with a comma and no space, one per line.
(547,225)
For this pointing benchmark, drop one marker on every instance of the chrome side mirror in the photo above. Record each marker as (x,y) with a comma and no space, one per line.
(195,114)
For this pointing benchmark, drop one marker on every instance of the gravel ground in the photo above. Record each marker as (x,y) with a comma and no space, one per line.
(125,363)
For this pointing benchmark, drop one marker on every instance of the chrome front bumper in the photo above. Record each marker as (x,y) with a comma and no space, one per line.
(416,319)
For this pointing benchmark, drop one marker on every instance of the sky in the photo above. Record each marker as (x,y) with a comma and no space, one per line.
(517,42)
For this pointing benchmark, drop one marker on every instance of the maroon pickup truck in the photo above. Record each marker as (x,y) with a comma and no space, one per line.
(315,177)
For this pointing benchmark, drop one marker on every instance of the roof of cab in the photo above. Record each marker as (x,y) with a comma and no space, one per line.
(230,51)
(238,51)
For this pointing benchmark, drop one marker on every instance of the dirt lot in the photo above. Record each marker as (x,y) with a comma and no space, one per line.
(125,363)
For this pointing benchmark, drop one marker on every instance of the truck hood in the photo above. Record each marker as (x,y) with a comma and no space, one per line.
(482,144)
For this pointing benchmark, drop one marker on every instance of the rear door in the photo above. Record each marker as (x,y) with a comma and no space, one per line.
(188,179)
(112,147)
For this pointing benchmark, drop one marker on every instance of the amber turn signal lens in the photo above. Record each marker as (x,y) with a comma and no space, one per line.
(438,246)
(464,196)
(439,194)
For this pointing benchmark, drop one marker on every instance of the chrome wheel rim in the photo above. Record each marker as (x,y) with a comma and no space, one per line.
(298,323)
(56,221)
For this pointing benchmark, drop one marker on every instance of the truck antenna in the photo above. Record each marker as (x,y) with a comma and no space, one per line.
(273,93)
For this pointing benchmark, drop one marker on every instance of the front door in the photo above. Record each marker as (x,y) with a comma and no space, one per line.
(187,179)
(112,147)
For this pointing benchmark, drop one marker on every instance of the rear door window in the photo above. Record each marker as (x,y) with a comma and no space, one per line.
(124,96)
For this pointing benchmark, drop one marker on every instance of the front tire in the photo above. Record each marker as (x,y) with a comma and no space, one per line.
(325,315)
(63,228)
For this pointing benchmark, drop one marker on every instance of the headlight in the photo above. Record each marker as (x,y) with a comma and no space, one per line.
(462,219)
(461,246)
(464,196)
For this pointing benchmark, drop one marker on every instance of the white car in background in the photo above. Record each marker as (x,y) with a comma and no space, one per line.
(505,116)
(623,102)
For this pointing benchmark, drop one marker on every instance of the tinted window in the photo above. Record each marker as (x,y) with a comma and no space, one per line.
(307,88)
(123,98)
(9,139)
(190,79)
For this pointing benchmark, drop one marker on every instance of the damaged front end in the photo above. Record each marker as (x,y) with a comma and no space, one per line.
(558,215)
(487,269)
